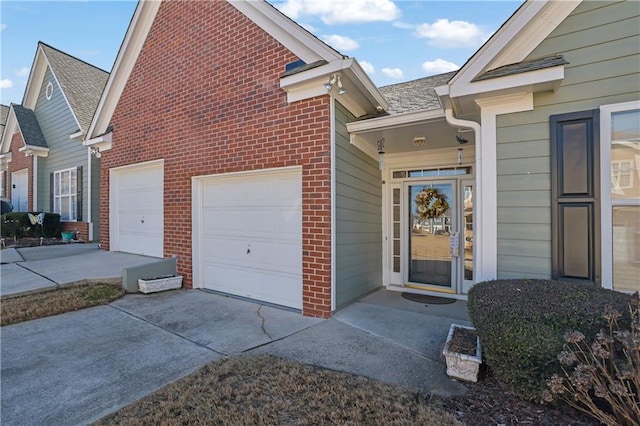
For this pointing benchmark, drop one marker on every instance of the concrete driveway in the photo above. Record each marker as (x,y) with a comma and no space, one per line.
(77,367)
(34,268)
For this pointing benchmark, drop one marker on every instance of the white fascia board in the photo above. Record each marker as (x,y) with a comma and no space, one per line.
(134,39)
(546,79)
(392,121)
(517,38)
(294,81)
(356,141)
(102,142)
(9,129)
(37,151)
(36,76)
(5,158)
(369,85)
(77,135)
(291,35)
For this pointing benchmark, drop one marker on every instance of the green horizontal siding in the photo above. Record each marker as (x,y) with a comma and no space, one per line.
(600,41)
(358,217)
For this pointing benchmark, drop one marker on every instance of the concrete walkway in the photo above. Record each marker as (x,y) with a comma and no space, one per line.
(77,367)
(34,268)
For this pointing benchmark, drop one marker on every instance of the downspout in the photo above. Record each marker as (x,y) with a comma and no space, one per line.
(332,139)
(89,215)
(478,204)
(34,198)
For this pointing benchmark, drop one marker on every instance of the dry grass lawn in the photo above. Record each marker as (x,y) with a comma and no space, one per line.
(265,390)
(58,300)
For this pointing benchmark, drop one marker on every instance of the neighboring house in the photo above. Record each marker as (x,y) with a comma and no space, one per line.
(274,169)
(4,113)
(44,163)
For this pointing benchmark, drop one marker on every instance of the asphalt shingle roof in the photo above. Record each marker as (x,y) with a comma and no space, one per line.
(4,114)
(29,126)
(520,67)
(415,95)
(81,82)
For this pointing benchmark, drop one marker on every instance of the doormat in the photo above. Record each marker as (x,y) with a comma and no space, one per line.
(431,300)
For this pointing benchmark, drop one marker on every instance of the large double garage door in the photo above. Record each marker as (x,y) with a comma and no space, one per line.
(247,235)
(247,228)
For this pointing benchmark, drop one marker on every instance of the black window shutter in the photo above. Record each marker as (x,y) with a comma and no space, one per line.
(51,192)
(575,196)
(79,194)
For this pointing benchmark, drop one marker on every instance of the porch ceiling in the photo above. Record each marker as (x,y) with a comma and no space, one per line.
(399,139)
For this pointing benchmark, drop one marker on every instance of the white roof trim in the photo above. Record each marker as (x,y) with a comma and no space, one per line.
(392,121)
(9,130)
(102,142)
(517,38)
(38,151)
(134,39)
(36,78)
(292,36)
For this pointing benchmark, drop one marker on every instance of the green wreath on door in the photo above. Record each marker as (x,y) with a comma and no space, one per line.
(431,204)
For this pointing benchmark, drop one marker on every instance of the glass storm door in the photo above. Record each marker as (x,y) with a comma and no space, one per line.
(432,233)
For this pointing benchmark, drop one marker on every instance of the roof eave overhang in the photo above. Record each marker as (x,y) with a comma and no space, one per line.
(100,143)
(394,121)
(9,130)
(5,158)
(462,96)
(36,151)
(361,97)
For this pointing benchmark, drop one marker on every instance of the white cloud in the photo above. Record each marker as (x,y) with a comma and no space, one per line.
(367,67)
(5,83)
(342,11)
(22,72)
(439,66)
(395,73)
(445,33)
(341,43)
(3,27)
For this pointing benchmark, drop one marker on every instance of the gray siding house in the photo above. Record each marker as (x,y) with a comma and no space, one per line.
(535,144)
(60,99)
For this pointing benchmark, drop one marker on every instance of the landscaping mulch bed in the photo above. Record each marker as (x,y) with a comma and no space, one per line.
(487,402)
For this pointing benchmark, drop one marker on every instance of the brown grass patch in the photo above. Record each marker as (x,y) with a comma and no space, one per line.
(267,390)
(54,301)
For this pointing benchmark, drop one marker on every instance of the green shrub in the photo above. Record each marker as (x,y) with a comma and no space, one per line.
(521,324)
(18,224)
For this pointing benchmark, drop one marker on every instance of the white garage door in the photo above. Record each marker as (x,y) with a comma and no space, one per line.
(138,204)
(248,229)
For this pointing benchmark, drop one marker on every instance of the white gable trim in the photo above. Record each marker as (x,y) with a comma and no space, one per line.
(36,79)
(517,38)
(9,129)
(292,36)
(134,39)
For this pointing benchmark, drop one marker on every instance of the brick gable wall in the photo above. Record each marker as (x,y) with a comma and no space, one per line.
(204,95)
(20,161)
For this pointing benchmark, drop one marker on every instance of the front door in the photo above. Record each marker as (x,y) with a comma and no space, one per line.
(20,190)
(432,234)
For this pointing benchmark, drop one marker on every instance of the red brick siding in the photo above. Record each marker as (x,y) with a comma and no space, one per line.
(18,162)
(204,95)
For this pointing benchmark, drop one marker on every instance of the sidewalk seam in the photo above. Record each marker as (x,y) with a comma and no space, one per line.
(37,273)
(168,331)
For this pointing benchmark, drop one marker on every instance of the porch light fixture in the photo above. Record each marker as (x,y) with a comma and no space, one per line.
(335,78)
(95,151)
(381,153)
(419,140)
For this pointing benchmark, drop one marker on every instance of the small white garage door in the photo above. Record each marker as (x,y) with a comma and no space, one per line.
(248,235)
(137,202)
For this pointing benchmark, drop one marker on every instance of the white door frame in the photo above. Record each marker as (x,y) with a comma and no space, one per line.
(21,176)
(114,198)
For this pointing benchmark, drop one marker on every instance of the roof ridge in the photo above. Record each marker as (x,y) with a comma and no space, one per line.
(72,56)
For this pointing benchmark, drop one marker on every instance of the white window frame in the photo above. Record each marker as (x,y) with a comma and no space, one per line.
(607,204)
(71,196)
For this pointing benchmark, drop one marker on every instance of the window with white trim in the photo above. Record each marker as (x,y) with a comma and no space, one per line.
(620,157)
(65,194)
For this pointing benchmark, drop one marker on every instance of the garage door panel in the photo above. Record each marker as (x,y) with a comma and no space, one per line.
(251,284)
(140,218)
(251,229)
